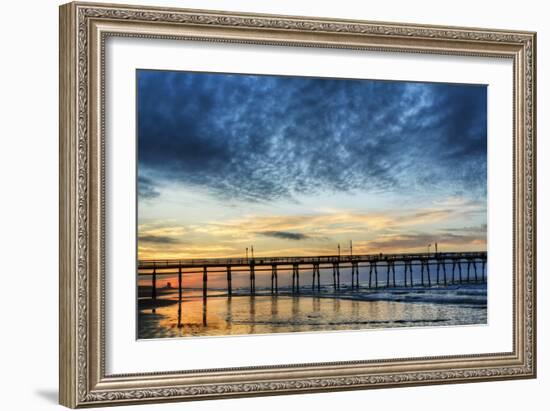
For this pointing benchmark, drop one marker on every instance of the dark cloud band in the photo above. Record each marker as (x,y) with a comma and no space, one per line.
(285,235)
(157,239)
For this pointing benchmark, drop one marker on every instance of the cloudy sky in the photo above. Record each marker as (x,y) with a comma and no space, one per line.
(296,166)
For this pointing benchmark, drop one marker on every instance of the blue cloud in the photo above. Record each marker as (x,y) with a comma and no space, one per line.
(260,138)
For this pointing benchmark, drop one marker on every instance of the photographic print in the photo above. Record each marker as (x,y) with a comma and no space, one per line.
(230,176)
(280,204)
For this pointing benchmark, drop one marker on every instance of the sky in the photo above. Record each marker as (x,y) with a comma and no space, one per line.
(295,166)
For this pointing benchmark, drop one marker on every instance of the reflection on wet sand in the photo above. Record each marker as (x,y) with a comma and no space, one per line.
(274,308)
(229,313)
(179,313)
(252,314)
(194,315)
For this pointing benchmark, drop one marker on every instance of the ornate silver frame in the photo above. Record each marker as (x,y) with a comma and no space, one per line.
(83,30)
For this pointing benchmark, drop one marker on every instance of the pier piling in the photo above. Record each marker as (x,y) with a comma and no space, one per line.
(370,275)
(428,271)
(422,273)
(204,283)
(318,278)
(295,279)
(453,275)
(154,290)
(355,275)
(179,284)
(316,275)
(229,286)
(274,279)
(252,279)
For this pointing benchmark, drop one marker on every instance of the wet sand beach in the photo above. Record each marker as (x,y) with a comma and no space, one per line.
(349,310)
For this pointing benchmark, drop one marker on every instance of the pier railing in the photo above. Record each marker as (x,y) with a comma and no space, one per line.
(268,261)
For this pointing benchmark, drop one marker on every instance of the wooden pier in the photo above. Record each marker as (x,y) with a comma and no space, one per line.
(369,265)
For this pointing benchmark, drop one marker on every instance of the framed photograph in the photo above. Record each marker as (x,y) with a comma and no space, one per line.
(259,204)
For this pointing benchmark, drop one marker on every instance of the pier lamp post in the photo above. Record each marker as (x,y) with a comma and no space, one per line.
(247,253)
(429,245)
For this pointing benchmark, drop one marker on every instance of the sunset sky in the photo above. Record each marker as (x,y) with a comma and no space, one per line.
(295,166)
